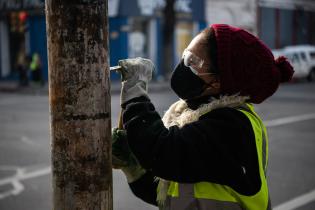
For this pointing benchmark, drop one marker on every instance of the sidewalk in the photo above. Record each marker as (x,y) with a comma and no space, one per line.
(13,87)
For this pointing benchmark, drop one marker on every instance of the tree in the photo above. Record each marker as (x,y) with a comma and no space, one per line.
(79,97)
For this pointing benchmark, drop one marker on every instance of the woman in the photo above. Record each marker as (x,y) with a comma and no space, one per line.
(210,150)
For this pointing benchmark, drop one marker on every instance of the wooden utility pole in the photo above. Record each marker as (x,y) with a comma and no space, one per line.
(79,94)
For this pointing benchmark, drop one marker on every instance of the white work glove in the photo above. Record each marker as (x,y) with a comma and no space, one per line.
(123,158)
(136,73)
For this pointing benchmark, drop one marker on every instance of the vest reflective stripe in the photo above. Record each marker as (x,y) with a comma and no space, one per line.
(191,203)
(210,196)
(191,198)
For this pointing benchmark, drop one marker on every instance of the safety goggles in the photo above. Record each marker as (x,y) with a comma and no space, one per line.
(193,62)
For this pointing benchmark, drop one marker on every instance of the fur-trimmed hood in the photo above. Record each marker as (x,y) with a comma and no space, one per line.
(180,114)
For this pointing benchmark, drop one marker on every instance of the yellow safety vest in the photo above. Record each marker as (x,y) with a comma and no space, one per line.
(210,196)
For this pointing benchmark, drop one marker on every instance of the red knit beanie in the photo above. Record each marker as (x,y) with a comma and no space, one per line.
(247,65)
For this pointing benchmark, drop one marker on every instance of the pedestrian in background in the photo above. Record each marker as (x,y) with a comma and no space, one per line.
(36,69)
(210,150)
(22,68)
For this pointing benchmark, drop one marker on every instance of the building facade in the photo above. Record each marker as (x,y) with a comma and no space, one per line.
(22,31)
(135,29)
(240,13)
(278,23)
(286,22)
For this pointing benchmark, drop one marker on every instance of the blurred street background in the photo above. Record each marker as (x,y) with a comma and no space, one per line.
(159,30)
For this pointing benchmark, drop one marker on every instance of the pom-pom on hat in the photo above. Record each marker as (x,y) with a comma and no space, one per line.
(247,65)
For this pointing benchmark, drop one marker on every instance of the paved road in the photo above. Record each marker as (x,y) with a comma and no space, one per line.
(25,150)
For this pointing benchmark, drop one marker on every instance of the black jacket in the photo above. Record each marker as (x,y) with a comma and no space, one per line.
(219,148)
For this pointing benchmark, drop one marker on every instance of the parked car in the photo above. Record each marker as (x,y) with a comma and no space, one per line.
(302,58)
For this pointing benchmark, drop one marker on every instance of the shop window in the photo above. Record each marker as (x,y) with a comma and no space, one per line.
(184,34)
(138,37)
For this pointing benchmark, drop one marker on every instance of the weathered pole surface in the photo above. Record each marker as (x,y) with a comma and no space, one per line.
(79,94)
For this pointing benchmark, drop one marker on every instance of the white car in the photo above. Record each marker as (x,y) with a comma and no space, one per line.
(302,58)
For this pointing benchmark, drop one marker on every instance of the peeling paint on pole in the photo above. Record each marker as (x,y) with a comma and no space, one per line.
(79,93)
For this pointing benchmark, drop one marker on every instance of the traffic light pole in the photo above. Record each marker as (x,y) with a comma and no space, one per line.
(79,94)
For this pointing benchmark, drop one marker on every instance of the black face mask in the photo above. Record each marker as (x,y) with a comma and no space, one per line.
(185,83)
